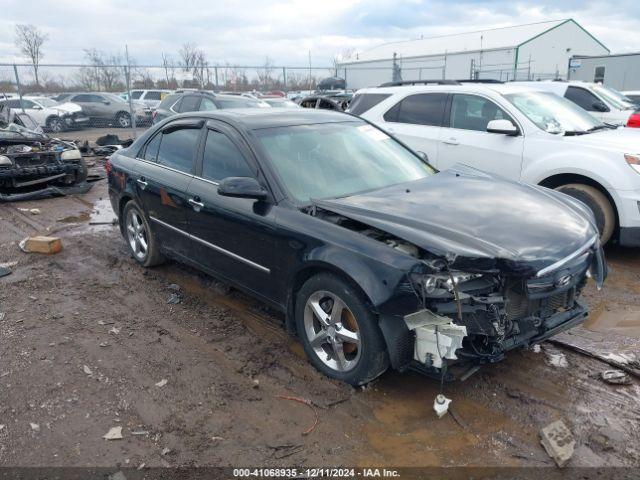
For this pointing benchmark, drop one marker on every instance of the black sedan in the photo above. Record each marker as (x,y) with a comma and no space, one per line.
(375,257)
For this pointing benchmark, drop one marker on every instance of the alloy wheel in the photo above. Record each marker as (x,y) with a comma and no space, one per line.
(137,235)
(332,331)
(124,120)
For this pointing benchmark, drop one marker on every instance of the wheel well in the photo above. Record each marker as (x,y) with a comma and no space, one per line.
(567,178)
(123,201)
(305,274)
(122,112)
(50,117)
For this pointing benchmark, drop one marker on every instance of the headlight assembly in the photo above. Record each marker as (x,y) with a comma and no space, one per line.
(72,155)
(633,161)
(5,161)
(444,281)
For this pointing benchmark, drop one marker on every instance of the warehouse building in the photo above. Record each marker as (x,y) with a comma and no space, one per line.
(621,71)
(533,51)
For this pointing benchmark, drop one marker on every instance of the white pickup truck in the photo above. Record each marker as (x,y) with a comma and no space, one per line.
(523,134)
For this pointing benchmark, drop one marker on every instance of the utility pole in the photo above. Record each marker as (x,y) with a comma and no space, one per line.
(15,69)
(128,79)
(310,89)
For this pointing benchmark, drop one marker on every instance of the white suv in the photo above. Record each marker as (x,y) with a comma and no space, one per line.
(150,98)
(604,103)
(521,134)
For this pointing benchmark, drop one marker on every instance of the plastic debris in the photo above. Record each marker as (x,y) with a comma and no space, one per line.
(162,382)
(114,330)
(441,405)
(87,370)
(174,299)
(114,433)
(558,441)
(35,427)
(558,360)
(165,451)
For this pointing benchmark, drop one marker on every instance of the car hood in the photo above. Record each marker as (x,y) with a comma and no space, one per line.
(476,220)
(68,107)
(623,140)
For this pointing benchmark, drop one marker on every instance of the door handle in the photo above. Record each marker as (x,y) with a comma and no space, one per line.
(143,184)
(451,141)
(197,206)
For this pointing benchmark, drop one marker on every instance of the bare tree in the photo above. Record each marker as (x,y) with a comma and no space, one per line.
(29,39)
(168,65)
(188,56)
(103,71)
(264,73)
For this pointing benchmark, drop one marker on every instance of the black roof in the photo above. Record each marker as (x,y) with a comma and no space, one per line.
(256,118)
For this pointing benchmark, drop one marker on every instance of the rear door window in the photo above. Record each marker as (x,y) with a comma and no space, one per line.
(223,159)
(190,103)
(582,97)
(136,94)
(419,109)
(366,101)
(151,150)
(177,149)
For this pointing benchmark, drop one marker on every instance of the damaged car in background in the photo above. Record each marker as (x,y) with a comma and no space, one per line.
(375,257)
(33,165)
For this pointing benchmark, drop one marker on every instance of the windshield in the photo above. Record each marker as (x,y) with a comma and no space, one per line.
(46,102)
(338,159)
(614,97)
(240,102)
(281,103)
(112,97)
(554,114)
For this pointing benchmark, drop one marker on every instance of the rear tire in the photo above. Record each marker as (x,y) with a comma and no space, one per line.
(347,345)
(140,239)
(599,205)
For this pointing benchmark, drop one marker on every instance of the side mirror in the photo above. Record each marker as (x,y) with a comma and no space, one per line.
(504,127)
(600,107)
(423,155)
(37,107)
(242,187)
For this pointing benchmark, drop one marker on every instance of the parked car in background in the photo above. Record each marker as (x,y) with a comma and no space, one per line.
(194,101)
(280,102)
(34,165)
(604,103)
(150,98)
(375,257)
(105,109)
(633,95)
(49,114)
(524,134)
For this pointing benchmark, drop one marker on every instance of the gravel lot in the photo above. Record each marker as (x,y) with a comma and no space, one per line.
(87,338)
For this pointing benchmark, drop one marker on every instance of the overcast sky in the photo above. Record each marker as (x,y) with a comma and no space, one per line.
(246,31)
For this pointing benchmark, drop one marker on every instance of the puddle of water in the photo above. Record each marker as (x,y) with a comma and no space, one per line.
(623,319)
(407,432)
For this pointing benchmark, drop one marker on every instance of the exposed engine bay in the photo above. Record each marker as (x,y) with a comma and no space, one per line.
(480,315)
(34,165)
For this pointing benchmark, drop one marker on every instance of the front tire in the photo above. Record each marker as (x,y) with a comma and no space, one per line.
(123,120)
(140,239)
(599,205)
(55,124)
(339,331)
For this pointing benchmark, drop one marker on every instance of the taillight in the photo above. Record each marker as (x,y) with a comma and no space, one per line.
(634,120)
(107,166)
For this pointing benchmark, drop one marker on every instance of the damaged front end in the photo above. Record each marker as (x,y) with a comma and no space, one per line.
(452,308)
(480,316)
(33,165)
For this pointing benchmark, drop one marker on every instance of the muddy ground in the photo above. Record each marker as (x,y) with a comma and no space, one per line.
(87,336)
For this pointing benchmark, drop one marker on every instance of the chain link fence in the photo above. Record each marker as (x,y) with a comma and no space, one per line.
(67,97)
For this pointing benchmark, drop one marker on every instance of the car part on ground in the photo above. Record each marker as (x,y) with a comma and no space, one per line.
(396,265)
